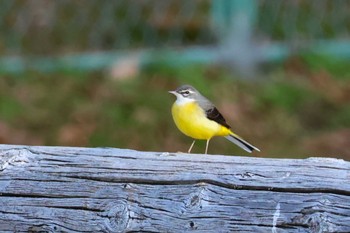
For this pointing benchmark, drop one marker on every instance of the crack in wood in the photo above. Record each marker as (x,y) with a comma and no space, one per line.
(35,196)
(216,183)
(76,208)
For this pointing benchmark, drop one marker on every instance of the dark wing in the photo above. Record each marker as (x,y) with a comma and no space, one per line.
(214,115)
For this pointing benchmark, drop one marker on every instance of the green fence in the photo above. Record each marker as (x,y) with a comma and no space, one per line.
(93,34)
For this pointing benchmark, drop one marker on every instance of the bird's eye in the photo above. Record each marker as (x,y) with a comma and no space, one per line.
(186,92)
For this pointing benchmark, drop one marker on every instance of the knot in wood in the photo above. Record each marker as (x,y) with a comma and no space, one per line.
(117,216)
(192,225)
(14,157)
(196,200)
(247,175)
(44,228)
(315,219)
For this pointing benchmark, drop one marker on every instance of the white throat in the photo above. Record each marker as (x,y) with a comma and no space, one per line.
(180,100)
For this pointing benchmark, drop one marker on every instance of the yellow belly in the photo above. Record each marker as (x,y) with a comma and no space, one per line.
(192,121)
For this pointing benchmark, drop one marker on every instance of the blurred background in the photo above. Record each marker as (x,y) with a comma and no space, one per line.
(96,73)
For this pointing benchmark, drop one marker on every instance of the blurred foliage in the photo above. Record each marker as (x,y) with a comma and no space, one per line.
(306,20)
(298,109)
(55,27)
(39,27)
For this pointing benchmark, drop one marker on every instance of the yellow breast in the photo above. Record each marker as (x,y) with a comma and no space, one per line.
(192,121)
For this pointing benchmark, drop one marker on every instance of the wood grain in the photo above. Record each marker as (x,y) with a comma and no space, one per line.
(66,189)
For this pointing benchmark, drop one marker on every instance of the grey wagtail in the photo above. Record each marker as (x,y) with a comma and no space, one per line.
(198,118)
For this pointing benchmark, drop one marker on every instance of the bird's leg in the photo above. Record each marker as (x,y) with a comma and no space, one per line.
(189,150)
(206,148)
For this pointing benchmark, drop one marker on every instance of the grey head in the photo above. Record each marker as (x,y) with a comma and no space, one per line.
(186,93)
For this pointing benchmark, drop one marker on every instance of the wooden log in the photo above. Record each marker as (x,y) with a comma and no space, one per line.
(61,189)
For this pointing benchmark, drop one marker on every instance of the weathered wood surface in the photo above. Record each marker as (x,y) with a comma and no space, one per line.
(60,189)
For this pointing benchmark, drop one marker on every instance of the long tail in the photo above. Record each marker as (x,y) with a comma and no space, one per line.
(241,143)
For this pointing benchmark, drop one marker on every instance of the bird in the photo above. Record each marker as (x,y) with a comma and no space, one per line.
(197,117)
